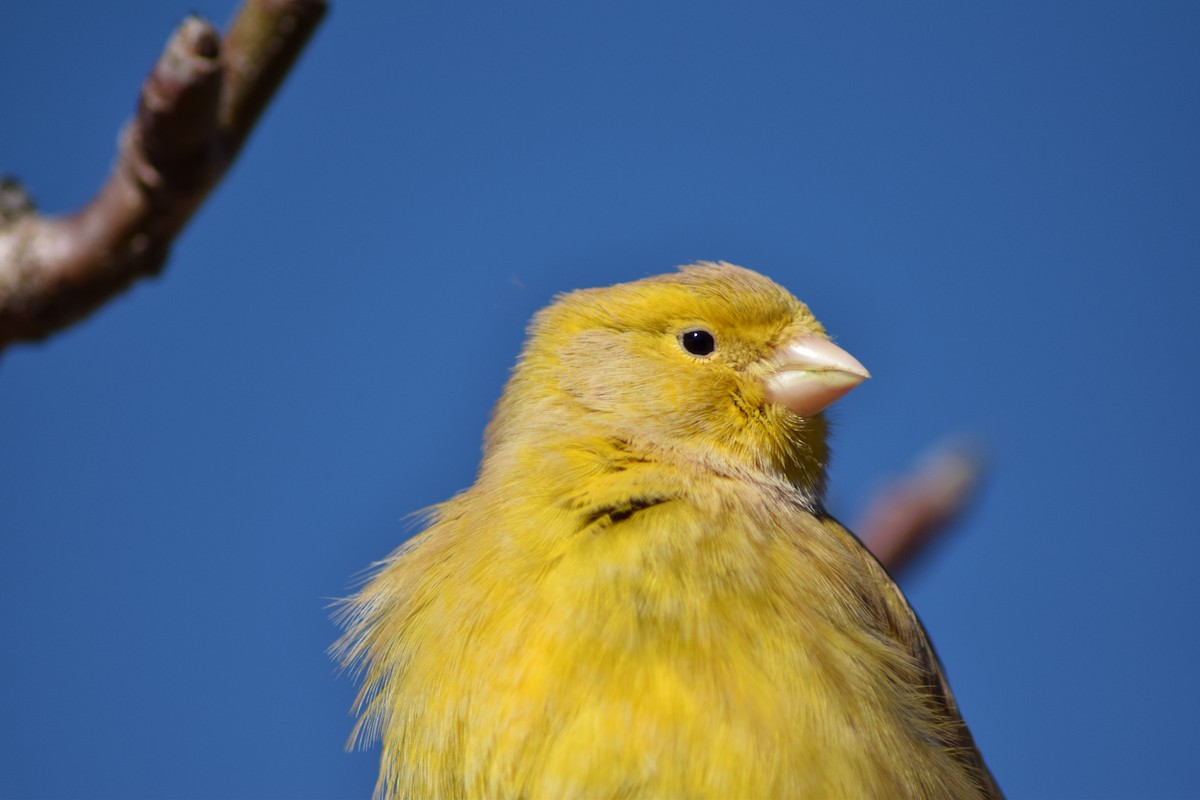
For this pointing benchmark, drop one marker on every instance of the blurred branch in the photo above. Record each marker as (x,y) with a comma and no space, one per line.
(908,514)
(197,107)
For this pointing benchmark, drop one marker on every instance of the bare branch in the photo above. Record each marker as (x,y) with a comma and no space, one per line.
(197,107)
(907,515)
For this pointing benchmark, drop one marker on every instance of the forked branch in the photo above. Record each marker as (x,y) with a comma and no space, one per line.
(197,107)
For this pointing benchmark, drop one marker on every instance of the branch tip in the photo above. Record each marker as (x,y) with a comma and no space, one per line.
(200,37)
(905,516)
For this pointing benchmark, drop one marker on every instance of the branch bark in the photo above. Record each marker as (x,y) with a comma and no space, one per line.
(197,107)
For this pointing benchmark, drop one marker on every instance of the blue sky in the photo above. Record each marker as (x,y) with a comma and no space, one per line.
(994,206)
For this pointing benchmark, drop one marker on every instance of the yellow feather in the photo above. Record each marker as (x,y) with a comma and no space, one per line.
(642,596)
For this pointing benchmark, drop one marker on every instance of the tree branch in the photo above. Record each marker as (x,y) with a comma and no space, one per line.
(197,107)
(908,514)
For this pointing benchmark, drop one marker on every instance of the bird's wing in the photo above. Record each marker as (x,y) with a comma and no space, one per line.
(904,625)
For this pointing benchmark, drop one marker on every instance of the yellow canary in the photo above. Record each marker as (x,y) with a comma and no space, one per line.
(642,594)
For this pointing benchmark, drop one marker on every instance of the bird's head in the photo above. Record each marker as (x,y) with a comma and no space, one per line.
(714,364)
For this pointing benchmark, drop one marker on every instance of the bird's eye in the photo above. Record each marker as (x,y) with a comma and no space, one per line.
(698,342)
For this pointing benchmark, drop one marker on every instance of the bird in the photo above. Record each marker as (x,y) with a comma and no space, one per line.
(642,595)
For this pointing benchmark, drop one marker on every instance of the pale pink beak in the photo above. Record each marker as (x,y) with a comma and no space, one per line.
(810,373)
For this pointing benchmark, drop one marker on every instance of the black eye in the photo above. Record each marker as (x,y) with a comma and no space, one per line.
(698,342)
